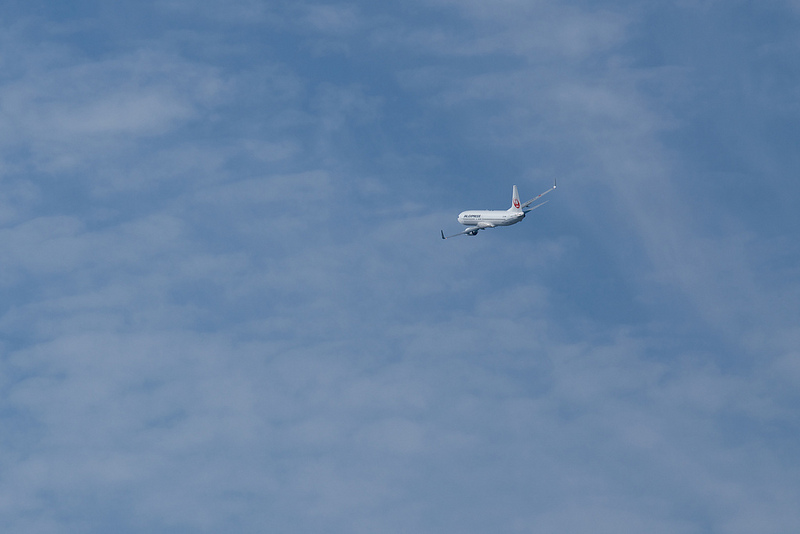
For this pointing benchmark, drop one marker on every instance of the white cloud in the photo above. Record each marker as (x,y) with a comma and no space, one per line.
(71,111)
(332,19)
(244,12)
(255,325)
(536,31)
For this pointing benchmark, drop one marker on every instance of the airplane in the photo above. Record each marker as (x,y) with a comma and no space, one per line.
(477,220)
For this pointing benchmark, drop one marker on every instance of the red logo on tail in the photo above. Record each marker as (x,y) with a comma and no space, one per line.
(516,203)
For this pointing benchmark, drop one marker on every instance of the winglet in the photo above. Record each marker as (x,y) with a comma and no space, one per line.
(443,237)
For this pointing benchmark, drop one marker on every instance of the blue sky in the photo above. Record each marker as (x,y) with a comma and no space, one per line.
(225,305)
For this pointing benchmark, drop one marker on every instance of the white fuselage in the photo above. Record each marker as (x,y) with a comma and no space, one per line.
(489,218)
(477,220)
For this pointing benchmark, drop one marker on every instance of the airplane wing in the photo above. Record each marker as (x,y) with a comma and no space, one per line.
(472,230)
(534,199)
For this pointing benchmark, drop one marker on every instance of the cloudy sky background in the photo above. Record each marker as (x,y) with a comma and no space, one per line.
(225,305)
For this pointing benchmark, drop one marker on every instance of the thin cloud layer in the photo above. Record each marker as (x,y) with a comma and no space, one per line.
(225,304)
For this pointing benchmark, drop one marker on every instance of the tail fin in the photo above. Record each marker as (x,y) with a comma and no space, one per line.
(515,205)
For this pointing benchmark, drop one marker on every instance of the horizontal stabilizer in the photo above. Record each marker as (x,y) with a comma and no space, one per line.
(526,210)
